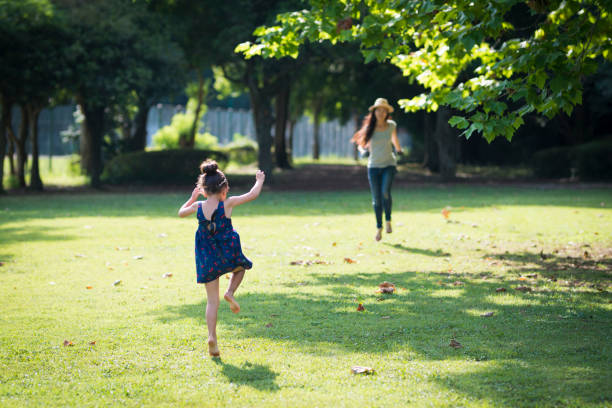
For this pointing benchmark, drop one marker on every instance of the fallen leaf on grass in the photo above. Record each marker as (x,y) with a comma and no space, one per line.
(122,248)
(68,343)
(500,289)
(488,314)
(269,325)
(586,255)
(445,213)
(117,282)
(532,275)
(360,308)
(362,370)
(386,287)
(92,343)
(167,275)
(138,257)
(334,244)
(80,256)
(522,278)
(457,283)
(162,235)
(88,287)
(455,344)
(349,261)
(523,288)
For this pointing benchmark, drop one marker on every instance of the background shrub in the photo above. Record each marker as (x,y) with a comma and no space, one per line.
(176,166)
(590,161)
(556,162)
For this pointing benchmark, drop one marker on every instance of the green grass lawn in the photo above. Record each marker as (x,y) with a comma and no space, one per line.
(299,331)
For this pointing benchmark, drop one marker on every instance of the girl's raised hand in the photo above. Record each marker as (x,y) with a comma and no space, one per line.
(195,194)
(260,176)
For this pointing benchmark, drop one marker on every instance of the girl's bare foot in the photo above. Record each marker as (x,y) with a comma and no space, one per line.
(213,349)
(234,306)
(389,229)
(378,234)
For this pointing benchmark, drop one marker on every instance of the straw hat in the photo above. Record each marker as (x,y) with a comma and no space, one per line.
(381,102)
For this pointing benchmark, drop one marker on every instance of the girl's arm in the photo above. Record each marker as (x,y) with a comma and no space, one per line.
(395,140)
(251,195)
(190,205)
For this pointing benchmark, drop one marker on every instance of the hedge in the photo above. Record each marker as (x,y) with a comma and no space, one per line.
(590,161)
(177,166)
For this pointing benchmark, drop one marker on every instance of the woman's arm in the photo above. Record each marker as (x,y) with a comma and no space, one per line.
(395,140)
(190,205)
(251,195)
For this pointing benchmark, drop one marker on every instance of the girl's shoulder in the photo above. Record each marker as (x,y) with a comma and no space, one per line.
(391,123)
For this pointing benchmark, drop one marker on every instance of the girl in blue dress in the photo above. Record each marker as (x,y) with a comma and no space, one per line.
(217,244)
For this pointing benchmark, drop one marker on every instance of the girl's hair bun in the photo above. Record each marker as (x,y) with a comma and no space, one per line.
(209,167)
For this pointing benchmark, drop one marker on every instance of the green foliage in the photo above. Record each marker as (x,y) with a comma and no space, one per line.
(594,160)
(493,61)
(241,150)
(171,136)
(589,161)
(556,162)
(178,166)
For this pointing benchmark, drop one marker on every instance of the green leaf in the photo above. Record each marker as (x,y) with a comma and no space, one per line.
(459,122)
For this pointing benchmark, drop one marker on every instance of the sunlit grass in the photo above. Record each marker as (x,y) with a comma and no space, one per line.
(299,331)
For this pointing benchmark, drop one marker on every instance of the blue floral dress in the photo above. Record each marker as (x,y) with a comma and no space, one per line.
(217,246)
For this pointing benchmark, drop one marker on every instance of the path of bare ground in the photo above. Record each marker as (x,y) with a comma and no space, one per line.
(328,177)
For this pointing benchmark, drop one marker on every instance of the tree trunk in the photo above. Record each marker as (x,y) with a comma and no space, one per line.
(94,132)
(448,144)
(357,127)
(262,115)
(11,151)
(317,129)
(190,142)
(84,148)
(430,155)
(5,119)
(35,180)
(281,110)
(292,123)
(138,142)
(20,143)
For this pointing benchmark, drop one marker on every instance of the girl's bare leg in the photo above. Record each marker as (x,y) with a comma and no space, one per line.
(234,282)
(212,307)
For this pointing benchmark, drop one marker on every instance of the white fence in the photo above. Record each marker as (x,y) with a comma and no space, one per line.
(222,123)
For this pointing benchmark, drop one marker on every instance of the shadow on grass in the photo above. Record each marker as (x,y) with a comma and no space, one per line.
(421,199)
(254,375)
(29,234)
(419,251)
(527,348)
(578,271)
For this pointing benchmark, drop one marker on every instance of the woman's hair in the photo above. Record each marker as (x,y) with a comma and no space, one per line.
(211,180)
(363,135)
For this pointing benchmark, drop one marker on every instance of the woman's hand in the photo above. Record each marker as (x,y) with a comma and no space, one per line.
(260,176)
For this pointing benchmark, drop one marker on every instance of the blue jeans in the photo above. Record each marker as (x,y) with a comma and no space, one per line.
(380,179)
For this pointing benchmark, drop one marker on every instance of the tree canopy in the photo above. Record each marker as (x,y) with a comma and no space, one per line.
(492,61)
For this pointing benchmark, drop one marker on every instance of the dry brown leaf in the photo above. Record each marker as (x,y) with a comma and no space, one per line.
(360,308)
(334,244)
(122,248)
(500,289)
(523,288)
(167,275)
(488,314)
(80,256)
(362,370)
(92,343)
(349,261)
(457,283)
(455,344)
(522,278)
(68,343)
(386,287)
(586,255)
(445,213)
(269,325)
(88,287)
